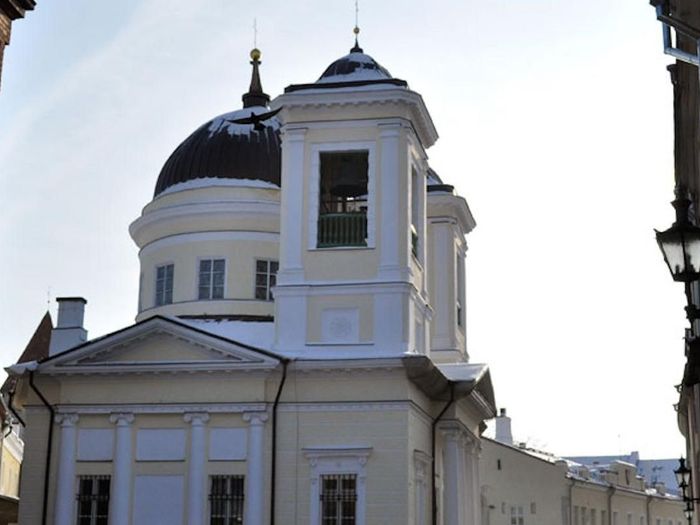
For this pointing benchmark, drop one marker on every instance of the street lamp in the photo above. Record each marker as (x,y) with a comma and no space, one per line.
(682,474)
(680,245)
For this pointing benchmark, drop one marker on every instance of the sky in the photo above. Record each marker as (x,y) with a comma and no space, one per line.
(555,123)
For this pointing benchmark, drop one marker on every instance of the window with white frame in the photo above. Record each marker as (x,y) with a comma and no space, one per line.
(93,500)
(265,278)
(211,278)
(517,516)
(226,499)
(337,485)
(164,284)
(417,186)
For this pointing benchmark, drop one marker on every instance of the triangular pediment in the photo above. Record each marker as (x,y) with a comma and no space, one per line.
(159,344)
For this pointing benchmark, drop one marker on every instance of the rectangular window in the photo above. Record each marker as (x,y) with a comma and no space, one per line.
(576,522)
(338,499)
(164,284)
(342,207)
(226,500)
(614,518)
(629,519)
(584,516)
(416,189)
(265,279)
(517,516)
(459,263)
(603,517)
(211,278)
(594,517)
(93,500)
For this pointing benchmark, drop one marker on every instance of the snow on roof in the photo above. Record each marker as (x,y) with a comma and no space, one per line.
(206,182)
(352,68)
(223,122)
(259,334)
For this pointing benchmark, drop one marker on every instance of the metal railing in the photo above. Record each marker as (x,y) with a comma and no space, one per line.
(342,229)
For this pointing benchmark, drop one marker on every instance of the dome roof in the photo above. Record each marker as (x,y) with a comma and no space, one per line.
(241,145)
(353,70)
(353,67)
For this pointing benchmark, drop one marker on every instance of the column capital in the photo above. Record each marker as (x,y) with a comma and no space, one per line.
(122,419)
(196,418)
(67,420)
(255,418)
(293,134)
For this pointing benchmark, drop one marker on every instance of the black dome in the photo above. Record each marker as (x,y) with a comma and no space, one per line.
(225,150)
(355,66)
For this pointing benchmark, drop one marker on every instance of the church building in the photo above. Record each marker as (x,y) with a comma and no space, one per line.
(299,351)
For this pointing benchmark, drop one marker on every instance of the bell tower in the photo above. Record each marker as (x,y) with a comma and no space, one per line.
(352,279)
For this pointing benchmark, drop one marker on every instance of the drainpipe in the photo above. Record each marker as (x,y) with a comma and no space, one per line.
(611,492)
(49,445)
(434,432)
(648,509)
(273,460)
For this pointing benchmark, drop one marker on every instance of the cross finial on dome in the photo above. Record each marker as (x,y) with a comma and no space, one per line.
(356,29)
(255,95)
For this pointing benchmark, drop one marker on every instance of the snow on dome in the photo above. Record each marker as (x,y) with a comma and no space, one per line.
(222,149)
(352,68)
(224,122)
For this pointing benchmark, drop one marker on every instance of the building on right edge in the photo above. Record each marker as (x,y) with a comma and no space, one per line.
(680,244)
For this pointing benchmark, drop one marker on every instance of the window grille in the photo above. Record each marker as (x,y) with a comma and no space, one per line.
(211,278)
(93,500)
(265,279)
(226,499)
(338,499)
(164,284)
(517,516)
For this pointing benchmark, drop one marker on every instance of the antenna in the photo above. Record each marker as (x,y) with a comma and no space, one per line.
(48,297)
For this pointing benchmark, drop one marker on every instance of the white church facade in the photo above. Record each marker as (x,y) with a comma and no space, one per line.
(299,351)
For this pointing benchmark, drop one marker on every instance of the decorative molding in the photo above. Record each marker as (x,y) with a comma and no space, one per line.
(117,410)
(255,418)
(122,419)
(67,419)
(229,235)
(196,418)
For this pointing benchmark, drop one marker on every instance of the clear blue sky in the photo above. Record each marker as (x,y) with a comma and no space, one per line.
(555,123)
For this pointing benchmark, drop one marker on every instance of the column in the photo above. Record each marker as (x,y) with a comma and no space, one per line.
(452,493)
(120,489)
(196,476)
(65,486)
(255,492)
(390,208)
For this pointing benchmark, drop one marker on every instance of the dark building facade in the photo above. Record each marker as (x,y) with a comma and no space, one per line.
(10,10)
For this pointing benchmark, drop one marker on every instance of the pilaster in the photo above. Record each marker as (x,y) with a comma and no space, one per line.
(120,497)
(255,491)
(196,480)
(65,487)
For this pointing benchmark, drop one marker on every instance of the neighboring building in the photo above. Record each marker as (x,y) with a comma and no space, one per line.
(522,486)
(10,10)
(654,471)
(681,39)
(299,352)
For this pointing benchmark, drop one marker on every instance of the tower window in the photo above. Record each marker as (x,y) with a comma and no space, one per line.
(342,219)
(226,498)
(164,284)
(265,279)
(338,499)
(93,500)
(211,278)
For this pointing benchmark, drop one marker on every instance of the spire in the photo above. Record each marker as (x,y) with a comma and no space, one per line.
(356,29)
(255,95)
